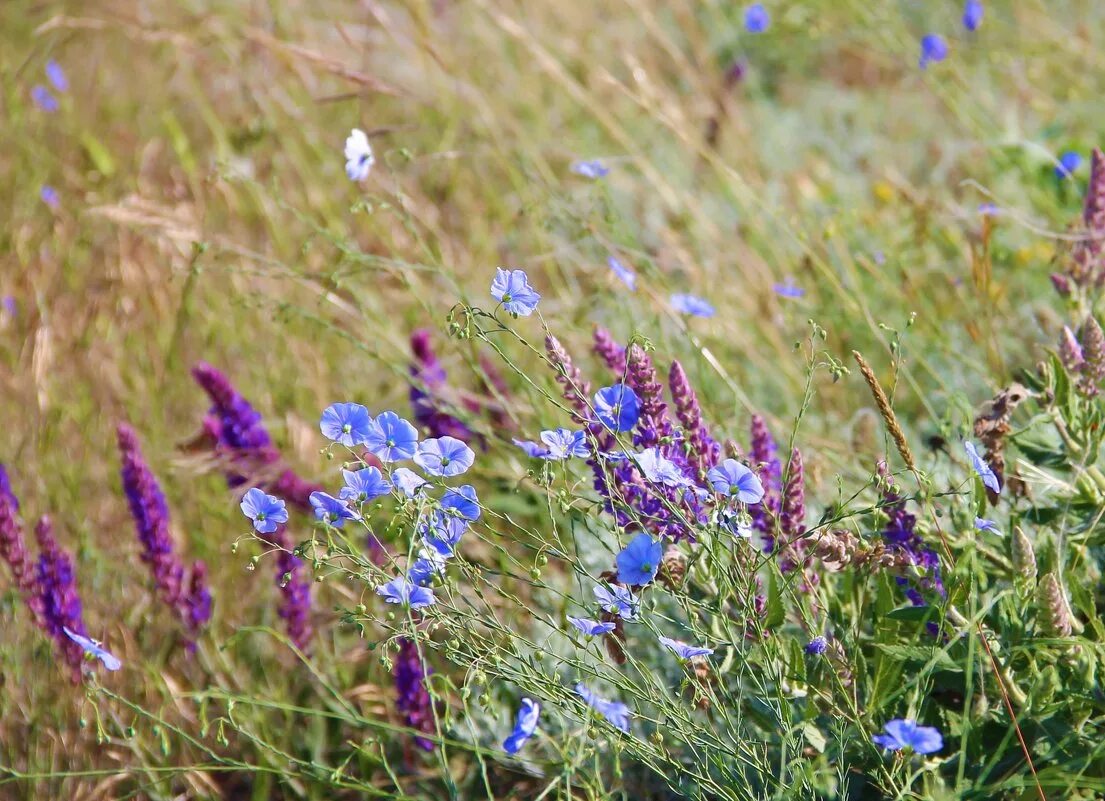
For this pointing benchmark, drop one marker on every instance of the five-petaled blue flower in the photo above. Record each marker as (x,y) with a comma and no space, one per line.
(626,275)
(401,591)
(330,510)
(346,423)
(358,155)
(525,724)
(989,478)
(49,196)
(817,646)
(56,76)
(512,289)
(1069,162)
(788,290)
(592,168)
(907,734)
(933,48)
(43,99)
(614,711)
(733,478)
(618,601)
(972,14)
(441,533)
(684,651)
(461,501)
(444,456)
(391,438)
(266,511)
(982,524)
(639,560)
(422,572)
(561,443)
(659,469)
(90,646)
(363,485)
(407,481)
(691,304)
(756,18)
(532,449)
(617,407)
(592,628)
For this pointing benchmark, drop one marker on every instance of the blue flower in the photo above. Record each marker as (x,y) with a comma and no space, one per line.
(592,168)
(733,478)
(933,48)
(972,14)
(691,304)
(391,438)
(358,155)
(639,560)
(659,469)
(461,501)
(789,290)
(330,510)
(989,479)
(564,444)
(591,628)
(407,481)
(444,456)
(525,724)
(617,407)
(363,485)
(43,99)
(401,591)
(423,571)
(907,734)
(346,423)
(982,524)
(988,209)
(57,76)
(618,601)
(684,651)
(1068,164)
(614,711)
(512,289)
(817,646)
(442,532)
(90,646)
(265,511)
(627,276)
(49,196)
(531,448)
(756,18)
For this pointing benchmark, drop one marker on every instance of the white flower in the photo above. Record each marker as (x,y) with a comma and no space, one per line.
(358,155)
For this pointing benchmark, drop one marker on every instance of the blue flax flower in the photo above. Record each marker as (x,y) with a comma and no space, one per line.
(512,289)
(989,478)
(617,407)
(788,290)
(330,510)
(972,14)
(49,196)
(531,448)
(562,443)
(733,478)
(346,423)
(592,628)
(592,168)
(684,651)
(391,438)
(461,501)
(525,724)
(691,304)
(266,511)
(817,646)
(614,711)
(57,76)
(639,560)
(933,48)
(43,99)
(1068,164)
(363,485)
(907,734)
(422,572)
(407,481)
(756,18)
(441,533)
(982,524)
(406,593)
(618,601)
(358,155)
(626,275)
(444,456)
(659,469)
(90,646)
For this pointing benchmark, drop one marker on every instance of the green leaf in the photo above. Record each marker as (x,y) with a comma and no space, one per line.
(919,653)
(916,613)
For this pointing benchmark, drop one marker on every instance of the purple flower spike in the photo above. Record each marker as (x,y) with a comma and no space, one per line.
(61,604)
(429,390)
(412,699)
(13,548)
(610,352)
(704,452)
